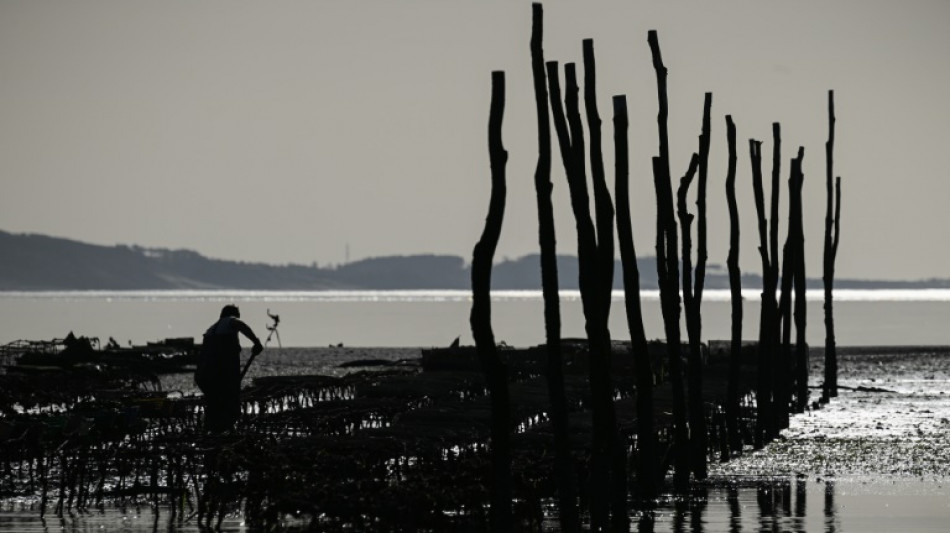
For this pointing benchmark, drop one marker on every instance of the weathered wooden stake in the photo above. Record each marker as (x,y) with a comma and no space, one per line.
(570,130)
(801,309)
(763,393)
(600,363)
(496,371)
(686,219)
(780,352)
(832,234)
(735,285)
(668,270)
(793,276)
(564,463)
(693,283)
(782,370)
(646,436)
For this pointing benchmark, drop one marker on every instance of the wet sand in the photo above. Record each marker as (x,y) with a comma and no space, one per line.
(891,418)
(874,459)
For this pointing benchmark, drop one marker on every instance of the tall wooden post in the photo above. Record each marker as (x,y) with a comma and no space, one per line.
(780,355)
(832,227)
(694,401)
(693,283)
(646,436)
(570,132)
(793,276)
(668,269)
(602,384)
(735,285)
(784,354)
(801,309)
(763,393)
(495,369)
(564,463)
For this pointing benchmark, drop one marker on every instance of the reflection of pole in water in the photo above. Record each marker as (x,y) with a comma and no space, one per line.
(735,510)
(700,499)
(785,496)
(680,507)
(766,506)
(830,510)
(801,489)
(646,522)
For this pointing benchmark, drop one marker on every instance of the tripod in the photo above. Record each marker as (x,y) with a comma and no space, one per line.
(273,332)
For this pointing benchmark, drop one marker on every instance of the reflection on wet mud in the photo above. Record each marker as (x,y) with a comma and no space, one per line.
(801,498)
(645,523)
(681,510)
(699,502)
(726,505)
(750,505)
(735,510)
(830,509)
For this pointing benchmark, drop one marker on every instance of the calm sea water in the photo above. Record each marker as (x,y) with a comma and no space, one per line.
(435,318)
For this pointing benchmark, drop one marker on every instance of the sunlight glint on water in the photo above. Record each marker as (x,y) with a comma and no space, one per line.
(435,318)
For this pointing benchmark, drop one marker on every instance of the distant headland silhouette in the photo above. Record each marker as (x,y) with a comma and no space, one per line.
(43,263)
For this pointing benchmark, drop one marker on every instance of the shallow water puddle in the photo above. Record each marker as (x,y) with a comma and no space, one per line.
(807,505)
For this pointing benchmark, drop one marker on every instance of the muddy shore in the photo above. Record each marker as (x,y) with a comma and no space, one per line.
(888,433)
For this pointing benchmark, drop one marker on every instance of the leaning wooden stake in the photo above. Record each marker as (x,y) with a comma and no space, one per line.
(801,309)
(763,393)
(693,283)
(602,384)
(564,463)
(780,353)
(783,361)
(832,227)
(793,370)
(735,285)
(667,265)
(646,436)
(570,132)
(495,369)
(694,401)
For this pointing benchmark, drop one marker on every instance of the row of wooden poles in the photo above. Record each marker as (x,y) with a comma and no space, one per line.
(782,367)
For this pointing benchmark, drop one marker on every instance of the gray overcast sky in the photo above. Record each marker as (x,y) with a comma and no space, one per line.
(280,131)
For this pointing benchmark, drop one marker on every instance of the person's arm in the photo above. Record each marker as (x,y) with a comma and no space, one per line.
(249,333)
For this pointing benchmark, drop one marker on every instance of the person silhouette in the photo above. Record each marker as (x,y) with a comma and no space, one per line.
(218,374)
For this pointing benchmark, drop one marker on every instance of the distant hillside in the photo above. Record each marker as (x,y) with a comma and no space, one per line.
(37,262)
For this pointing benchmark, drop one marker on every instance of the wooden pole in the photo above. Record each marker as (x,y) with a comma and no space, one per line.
(780,353)
(495,369)
(783,373)
(774,216)
(694,325)
(563,460)
(832,225)
(570,131)
(601,382)
(694,401)
(784,354)
(668,269)
(763,393)
(646,436)
(735,285)
(801,309)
